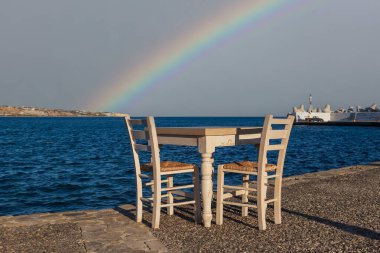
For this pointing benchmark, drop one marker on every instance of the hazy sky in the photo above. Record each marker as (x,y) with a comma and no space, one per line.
(60,54)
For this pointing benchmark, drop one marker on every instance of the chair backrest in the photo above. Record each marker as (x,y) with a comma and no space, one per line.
(147,133)
(269,134)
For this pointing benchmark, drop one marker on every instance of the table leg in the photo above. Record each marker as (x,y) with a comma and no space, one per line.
(207,188)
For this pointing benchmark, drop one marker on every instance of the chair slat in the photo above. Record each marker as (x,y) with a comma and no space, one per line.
(278,134)
(177,187)
(275,147)
(271,176)
(233,187)
(239,204)
(139,134)
(270,201)
(146,199)
(228,195)
(152,182)
(281,121)
(141,147)
(179,203)
(137,122)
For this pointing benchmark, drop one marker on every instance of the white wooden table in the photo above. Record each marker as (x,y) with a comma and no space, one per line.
(207,139)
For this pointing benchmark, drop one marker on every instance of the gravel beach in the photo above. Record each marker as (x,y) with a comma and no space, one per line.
(333,211)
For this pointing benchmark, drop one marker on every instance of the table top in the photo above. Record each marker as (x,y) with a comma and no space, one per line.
(207,131)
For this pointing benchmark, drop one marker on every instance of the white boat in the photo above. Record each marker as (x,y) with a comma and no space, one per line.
(370,114)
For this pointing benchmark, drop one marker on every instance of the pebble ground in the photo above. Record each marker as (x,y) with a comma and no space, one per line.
(332,211)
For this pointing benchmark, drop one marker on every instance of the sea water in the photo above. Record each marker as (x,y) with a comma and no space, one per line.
(59,164)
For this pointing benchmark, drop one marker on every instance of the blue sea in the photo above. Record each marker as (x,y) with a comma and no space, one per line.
(60,164)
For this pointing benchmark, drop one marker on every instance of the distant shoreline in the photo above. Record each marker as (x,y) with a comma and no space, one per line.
(27,112)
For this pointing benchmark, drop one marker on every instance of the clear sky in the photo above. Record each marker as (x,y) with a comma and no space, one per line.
(61,54)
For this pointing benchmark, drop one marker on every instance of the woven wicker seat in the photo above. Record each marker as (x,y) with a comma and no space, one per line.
(168,166)
(248,166)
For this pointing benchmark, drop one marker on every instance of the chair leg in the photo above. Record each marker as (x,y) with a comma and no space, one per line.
(261,205)
(156,206)
(139,204)
(170,209)
(277,203)
(219,196)
(244,209)
(277,212)
(197,196)
(265,187)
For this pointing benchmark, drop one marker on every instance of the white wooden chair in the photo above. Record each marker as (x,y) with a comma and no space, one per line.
(260,169)
(155,170)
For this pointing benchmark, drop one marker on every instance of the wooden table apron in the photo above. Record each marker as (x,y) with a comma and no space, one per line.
(207,139)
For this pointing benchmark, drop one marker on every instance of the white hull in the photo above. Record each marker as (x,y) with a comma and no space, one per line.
(338,117)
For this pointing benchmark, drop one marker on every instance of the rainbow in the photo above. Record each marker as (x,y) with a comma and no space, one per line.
(168,60)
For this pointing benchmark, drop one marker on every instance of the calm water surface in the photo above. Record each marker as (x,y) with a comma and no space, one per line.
(56,164)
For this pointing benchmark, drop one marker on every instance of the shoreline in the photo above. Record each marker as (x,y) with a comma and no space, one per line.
(62,116)
(286,181)
(115,230)
(29,111)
